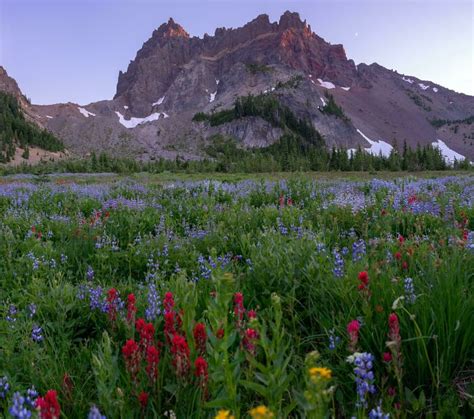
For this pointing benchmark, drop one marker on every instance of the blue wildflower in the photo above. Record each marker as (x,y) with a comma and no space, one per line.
(94,413)
(37,333)
(378,413)
(31,310)
(12,312)
(338,264)
(409,290)
(358,250)
(153,309)
(364,377)
(4,387)
(90,273)
(333,340)
(17,409)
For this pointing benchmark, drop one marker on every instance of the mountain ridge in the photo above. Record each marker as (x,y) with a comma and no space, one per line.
(174,76)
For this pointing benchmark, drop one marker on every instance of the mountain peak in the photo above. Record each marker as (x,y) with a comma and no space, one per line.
(291,20)
(171,29)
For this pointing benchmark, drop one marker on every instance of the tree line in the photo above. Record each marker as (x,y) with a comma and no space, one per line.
(16,131)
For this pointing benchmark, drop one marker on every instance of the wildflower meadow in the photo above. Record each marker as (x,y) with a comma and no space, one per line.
(288,298)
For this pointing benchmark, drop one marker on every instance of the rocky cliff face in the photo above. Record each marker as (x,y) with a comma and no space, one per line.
(170,50)
(174,76)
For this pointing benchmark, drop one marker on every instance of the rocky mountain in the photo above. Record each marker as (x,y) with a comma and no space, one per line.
(175,76)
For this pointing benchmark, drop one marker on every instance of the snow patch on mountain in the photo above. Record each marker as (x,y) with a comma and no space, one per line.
(159,101)
(408,80)
(322,100)
(435,89)
(377,147)
(85,112)
(326,84)
(346,88)
(423,86)
(49,117)
(212,97)
(134,122)
(448,154)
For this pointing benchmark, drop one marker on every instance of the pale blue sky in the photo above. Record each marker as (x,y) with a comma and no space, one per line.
(72,50)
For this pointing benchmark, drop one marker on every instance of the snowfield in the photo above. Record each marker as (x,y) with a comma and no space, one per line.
(326,84)
(85,112)
(159,101)
(448,154)
(377,147)
(212,97)
(134,122)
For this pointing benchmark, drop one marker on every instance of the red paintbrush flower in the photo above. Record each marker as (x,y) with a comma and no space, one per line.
(143,399)
(48,405)
(131,308)
(353,329)
(200,338)
(152,360)
(180,353)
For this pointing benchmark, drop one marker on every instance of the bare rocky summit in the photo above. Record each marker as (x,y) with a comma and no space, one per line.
(174,76)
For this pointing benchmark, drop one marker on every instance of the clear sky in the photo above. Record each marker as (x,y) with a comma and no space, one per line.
(72,50)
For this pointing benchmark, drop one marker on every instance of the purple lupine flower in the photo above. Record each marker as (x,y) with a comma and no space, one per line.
(12,312)
(94,413)
(358,250)
(153,309)
(31,309)
(96,299)
(90,273)
(378,413)
(18,410)
(37,333)
(333,340)
(338,269)
(409,290)
(4,387)
(364,377)
(31,396)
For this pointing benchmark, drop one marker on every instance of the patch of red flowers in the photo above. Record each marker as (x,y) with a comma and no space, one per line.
(239,310)
(152,360)
(168,302)
(48,405)
(249,340)
(202,374)
(112,301)
(180,353)
(131,353)
(353,330)
(200,338)
(364,280)
(143,399)
(131,308)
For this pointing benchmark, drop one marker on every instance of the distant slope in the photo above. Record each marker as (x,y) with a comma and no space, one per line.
(16,132)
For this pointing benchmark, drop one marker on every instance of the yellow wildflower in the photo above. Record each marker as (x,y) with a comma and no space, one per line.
(261,412)
(316,372)
(224,414)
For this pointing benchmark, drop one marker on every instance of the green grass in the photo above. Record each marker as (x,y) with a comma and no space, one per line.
(272,242)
